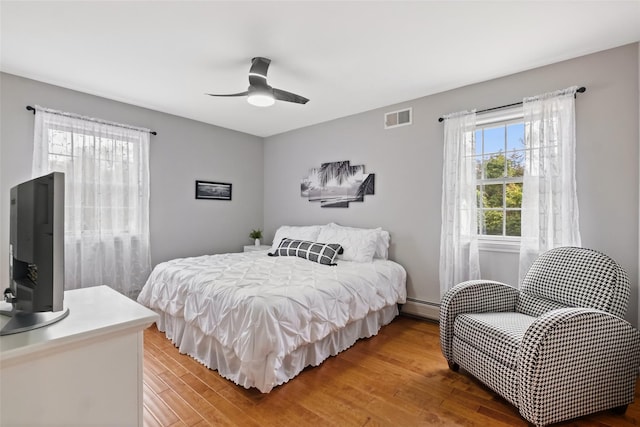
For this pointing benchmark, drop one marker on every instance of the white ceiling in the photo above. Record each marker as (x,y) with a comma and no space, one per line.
(346,57)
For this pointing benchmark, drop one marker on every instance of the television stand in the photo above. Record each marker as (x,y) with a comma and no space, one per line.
(22,322)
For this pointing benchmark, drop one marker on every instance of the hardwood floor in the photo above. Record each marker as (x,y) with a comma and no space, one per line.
(397,378)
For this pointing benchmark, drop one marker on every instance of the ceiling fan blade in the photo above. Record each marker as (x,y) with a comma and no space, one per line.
(231,94)
(258,71)
(259,67)
(283,95)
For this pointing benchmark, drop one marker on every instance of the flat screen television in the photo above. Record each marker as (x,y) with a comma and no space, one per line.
(36,254)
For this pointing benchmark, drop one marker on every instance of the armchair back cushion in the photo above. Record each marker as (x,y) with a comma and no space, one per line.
(574,277)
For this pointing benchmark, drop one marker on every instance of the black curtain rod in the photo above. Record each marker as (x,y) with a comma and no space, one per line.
(30,108)
(580,89)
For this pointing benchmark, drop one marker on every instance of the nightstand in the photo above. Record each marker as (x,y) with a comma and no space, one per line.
(251,248)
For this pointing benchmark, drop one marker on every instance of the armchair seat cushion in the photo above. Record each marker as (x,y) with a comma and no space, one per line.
(498,334)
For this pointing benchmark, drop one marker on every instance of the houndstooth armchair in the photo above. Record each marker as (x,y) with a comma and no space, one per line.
(558,348)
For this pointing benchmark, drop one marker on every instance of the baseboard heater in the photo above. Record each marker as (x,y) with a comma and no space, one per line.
(416,307)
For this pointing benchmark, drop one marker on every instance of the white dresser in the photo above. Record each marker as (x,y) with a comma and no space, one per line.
(83,370)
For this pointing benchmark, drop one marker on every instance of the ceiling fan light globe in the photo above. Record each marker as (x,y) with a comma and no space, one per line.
(261,100)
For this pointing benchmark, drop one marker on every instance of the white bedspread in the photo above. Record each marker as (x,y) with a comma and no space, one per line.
(265,307)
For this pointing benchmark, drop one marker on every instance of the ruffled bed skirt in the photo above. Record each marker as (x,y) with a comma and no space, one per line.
(270,372)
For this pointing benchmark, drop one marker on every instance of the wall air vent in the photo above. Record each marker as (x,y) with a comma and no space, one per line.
(398,118)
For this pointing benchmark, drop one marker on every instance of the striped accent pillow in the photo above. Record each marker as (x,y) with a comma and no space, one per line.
(322,253)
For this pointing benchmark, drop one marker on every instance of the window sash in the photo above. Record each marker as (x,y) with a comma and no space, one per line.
(501,119)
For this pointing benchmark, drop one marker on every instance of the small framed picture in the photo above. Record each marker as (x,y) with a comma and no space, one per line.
(213,190)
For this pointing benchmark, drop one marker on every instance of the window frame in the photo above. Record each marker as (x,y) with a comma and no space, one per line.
(502,117)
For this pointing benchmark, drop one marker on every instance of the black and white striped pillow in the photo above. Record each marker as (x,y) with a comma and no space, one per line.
(322,253)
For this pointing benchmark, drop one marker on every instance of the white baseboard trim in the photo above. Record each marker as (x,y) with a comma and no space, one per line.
(424,309)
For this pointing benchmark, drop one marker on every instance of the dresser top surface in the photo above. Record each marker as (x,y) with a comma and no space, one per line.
(93,312)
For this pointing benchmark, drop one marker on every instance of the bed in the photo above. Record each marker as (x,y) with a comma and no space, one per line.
(259,320)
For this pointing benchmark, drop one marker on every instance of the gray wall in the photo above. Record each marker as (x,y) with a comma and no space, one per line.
(183,151)
(407,162)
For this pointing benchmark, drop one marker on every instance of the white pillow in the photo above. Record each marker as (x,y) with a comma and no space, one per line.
(382,245)
(308,233)
(359,244)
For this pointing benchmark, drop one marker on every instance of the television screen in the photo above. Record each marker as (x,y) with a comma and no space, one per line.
(36,254)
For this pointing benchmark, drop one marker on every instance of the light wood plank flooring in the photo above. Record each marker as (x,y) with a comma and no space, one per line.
(397,378)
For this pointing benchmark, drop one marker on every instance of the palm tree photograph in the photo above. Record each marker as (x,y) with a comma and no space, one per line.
(337,184)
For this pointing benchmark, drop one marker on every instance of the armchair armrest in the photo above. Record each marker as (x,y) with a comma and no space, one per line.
(575,361)
(473,296)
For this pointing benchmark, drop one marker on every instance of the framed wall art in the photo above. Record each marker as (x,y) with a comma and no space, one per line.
(337,184)
(213,190)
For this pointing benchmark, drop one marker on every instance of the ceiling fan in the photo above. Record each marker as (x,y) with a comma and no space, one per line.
(259,92)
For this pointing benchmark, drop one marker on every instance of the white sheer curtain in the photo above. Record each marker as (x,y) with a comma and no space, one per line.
(459,258)
(549,199)
(106,167)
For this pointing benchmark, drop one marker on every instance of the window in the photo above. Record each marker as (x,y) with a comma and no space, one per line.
(499,163)
(489,202)
(106,174)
